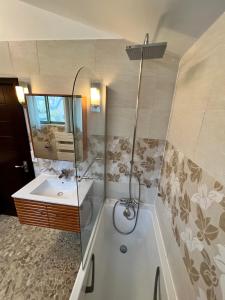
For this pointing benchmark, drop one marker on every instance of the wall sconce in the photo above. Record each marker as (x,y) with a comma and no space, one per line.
(96,97)
(20,92)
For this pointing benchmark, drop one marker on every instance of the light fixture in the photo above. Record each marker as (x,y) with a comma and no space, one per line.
(96,97)
(20,92)
(26,90)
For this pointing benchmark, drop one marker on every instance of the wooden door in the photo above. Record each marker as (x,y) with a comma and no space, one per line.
(14,146)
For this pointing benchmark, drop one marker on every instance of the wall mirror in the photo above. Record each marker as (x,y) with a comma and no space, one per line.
(51,120)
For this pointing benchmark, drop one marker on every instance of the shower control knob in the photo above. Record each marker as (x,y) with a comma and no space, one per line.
(126,213)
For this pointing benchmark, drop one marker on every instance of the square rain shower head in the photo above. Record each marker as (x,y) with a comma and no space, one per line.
(150,51)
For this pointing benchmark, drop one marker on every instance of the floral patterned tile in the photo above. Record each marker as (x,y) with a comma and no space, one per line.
(147,160)
(196,202)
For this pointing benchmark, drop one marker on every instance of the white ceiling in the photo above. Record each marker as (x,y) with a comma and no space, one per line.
(22,21)
(179,22)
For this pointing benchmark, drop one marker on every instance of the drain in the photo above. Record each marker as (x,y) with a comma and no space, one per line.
(60,194)
(123,248)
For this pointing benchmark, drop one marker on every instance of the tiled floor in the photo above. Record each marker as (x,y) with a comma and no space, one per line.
(36,263)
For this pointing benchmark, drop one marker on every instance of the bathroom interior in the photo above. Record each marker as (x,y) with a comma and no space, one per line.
(112,150)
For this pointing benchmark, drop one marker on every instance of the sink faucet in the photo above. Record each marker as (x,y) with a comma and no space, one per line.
(66,173)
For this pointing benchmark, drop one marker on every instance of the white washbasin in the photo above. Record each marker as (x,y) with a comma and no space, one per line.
(51,189)
(56,188)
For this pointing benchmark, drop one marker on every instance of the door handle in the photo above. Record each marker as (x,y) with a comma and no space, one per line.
(24,166)
(90,289)
(155,296)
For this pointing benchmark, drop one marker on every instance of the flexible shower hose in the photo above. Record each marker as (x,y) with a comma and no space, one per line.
(138,207)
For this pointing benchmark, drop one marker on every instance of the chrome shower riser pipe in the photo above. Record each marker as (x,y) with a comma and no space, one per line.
(136,116)
(138,52)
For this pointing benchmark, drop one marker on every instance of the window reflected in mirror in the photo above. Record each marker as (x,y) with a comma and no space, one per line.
(51,120)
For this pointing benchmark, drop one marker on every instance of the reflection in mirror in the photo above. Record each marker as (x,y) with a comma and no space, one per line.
(51,126)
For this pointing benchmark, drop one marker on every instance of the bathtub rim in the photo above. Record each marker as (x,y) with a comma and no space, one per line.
(164,262)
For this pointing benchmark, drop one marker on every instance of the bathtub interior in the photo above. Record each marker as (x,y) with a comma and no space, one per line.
(124,276)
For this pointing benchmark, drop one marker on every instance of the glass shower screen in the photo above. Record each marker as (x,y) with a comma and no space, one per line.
(90,170)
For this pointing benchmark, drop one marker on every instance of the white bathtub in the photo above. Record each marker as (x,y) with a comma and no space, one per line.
(126,276)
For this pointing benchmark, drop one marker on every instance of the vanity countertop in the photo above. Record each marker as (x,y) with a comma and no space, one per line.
(51,189)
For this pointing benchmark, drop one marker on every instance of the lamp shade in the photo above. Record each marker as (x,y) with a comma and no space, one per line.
(95,97)
(20,94)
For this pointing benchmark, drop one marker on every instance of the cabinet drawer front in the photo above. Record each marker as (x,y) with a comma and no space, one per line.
(67,209)
(64,217)
(32,213)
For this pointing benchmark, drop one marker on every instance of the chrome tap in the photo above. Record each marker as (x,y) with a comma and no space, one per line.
(66,173)
(85,178)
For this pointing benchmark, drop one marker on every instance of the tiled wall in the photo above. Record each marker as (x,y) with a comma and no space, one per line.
(198,115)
(191,210)
(195,202)
(147,166)
(50,67)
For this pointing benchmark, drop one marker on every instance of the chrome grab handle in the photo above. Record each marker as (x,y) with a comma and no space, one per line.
(90,289)
(155,296)
(24,166)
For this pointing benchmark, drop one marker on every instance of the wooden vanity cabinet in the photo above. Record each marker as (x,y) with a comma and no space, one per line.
(57,216)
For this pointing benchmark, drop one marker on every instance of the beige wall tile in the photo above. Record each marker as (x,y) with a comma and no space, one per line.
(111,60)
(197,120)
(122,91)
(192,87)
(153,123)
(217,82)
(58,62)
(64,58)
(6,67)
(210,149)
(184,130)
(148,91)
(168,63)
(51,84)
(24,57)
(120,121)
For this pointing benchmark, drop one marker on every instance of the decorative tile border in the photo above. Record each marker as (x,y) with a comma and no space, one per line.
(195,202)
(148,160)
